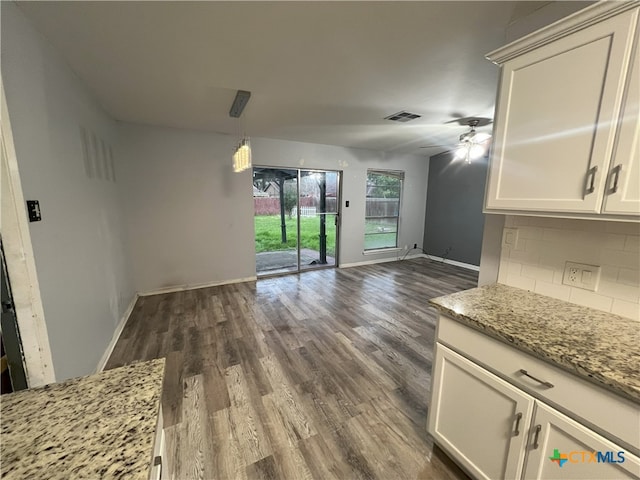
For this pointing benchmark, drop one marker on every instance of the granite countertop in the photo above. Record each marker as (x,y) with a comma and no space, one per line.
(100,426)
(600,347)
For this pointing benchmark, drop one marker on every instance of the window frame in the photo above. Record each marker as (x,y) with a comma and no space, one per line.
(399,174)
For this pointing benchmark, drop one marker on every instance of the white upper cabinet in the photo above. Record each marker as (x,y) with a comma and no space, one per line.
(622,194)
(567,116)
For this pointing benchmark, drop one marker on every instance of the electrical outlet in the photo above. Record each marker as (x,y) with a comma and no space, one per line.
(573,275)
(581,275)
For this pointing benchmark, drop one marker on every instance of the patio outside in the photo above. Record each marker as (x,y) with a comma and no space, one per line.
(273,256)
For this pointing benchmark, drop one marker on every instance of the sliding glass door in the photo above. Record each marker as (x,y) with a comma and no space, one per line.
(295,218)
(318,219)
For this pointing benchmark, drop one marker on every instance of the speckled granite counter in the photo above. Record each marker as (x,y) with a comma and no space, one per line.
(101,426)
(598,346)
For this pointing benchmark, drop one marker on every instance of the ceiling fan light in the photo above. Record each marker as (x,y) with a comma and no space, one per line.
(461,152)
(481,137)
(476,151)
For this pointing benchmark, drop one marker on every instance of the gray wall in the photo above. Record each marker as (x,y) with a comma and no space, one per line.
(190,218)
(454,216)
(79,251)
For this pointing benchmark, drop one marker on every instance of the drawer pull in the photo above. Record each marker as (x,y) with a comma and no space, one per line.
(546,384)
(536,436)
(157,462)
(518,418)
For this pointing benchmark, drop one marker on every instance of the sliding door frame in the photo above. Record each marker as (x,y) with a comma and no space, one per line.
(338,216)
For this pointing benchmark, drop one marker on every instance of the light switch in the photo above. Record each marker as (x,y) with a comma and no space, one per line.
(586,276)
(510,238)
(33,209)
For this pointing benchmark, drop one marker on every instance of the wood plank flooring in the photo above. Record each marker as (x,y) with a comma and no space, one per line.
(322,375)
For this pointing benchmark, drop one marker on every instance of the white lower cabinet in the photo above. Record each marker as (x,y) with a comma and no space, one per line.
(477,417)
(497,431)
(583,453)
(157,460)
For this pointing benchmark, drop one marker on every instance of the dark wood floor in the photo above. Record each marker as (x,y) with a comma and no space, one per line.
(319,375)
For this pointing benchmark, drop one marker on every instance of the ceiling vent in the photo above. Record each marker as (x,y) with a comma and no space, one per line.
(402,117)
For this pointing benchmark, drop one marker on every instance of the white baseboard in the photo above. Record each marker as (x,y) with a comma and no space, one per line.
(116,334)
(382,260)
(181,288)
(454,262)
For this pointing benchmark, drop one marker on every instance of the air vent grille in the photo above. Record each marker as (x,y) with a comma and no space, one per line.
(98,157)
(402,117)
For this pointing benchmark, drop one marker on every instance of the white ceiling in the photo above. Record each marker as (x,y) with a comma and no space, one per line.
(322,72)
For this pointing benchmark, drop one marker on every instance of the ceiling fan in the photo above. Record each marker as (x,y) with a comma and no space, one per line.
(472,144)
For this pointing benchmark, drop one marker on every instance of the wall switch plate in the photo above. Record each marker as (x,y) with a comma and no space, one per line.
(581,275)
(510,238)
(33,209)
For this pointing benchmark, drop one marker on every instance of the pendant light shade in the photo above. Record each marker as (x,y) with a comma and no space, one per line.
(242,156)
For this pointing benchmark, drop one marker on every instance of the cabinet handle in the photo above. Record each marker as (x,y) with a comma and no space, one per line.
(536,436)
(591,178)
(527,374)
(157,462)
(616,176)
(517,430)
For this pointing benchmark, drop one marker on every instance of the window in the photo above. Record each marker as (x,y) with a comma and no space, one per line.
(382,212)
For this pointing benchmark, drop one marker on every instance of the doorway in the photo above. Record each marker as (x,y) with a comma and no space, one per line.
(12,374)
(296,219)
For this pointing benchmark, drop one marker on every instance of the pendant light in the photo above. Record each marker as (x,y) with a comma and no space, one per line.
(242,154)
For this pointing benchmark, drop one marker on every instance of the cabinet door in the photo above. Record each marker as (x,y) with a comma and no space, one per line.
(157,471)
(558,107)
(623,187)
(560,438)
(479,419)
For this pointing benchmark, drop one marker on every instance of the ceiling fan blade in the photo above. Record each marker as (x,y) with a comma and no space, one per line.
(464,121)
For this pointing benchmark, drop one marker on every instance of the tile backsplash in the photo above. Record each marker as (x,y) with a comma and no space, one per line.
(545,244)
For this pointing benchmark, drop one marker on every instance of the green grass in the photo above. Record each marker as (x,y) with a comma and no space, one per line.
(374,242)
(268,235)
(379,234)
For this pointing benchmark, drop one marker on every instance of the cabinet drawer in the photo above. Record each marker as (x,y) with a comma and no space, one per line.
(609,414)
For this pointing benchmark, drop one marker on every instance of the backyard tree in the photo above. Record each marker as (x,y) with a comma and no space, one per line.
(290,198)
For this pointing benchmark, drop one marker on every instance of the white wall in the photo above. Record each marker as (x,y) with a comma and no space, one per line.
(78,246)
(190,218)
(354,164)
(545,244)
